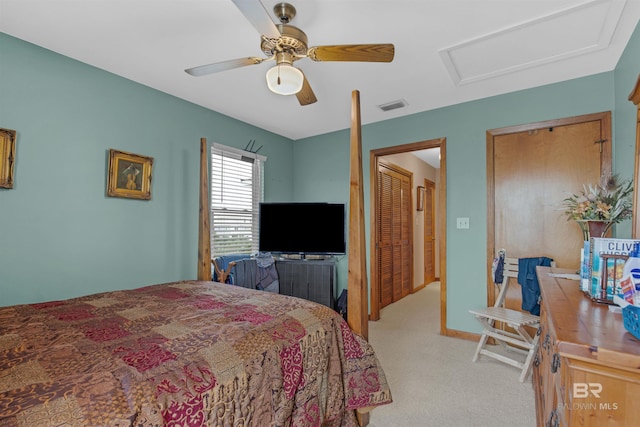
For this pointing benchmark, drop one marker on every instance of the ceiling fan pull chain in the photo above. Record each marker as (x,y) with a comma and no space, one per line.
(278,75)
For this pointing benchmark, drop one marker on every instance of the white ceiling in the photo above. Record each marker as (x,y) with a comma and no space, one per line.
(447,51)
(430,156)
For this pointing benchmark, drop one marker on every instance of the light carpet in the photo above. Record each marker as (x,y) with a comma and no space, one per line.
(433,380)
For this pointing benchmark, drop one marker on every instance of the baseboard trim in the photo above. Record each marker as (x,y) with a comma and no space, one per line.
(414,290)
(454,333)
(424,285)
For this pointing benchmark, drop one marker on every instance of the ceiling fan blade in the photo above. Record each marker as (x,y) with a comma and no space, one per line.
(258,16)
(353,52)
(306,95)
(222,66)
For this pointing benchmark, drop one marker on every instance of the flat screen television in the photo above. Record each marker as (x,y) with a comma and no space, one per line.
(302,228)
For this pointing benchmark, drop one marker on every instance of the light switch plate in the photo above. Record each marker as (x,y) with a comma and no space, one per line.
(462,223)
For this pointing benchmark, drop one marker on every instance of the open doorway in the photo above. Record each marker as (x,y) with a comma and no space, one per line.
(439,198)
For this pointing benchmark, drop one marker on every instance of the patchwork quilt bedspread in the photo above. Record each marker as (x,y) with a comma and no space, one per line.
(184,354)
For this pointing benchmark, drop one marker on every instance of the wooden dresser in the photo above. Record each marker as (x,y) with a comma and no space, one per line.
(587,369)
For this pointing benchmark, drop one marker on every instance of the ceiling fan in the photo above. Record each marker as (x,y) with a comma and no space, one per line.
(286,44)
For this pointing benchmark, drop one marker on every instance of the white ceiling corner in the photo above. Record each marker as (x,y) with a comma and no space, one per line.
(575,30)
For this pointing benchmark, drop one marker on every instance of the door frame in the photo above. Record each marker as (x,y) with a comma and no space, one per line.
(374,156)
(606,155)
(634,97)
(429,183)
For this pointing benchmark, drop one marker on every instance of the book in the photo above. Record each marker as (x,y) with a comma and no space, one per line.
(607,257)
(585,268)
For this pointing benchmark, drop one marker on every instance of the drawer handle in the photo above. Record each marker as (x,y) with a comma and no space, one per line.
(555,363)
(547,342)
(536,360)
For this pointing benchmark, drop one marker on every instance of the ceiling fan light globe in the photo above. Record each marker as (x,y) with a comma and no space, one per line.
(285,79)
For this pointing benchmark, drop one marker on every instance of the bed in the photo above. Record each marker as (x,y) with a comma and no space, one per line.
(185,354)
(193,352)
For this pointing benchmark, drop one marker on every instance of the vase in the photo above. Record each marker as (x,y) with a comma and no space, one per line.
(594,228)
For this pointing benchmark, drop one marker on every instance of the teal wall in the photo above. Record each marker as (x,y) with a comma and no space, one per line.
(464,127)
(60,236)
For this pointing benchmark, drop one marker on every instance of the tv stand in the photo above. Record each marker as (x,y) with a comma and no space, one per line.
(305,257)
(310,279)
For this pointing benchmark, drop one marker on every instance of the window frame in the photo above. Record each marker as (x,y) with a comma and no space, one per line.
(228,208)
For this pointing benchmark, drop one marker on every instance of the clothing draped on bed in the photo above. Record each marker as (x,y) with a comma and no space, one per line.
(184,354)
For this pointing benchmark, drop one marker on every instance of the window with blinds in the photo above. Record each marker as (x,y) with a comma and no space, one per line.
(236,192)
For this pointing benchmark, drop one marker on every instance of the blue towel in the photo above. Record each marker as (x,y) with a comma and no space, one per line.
(528,279)
(498,269)
(223,262)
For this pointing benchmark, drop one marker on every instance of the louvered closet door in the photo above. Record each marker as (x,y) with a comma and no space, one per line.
(394,228)
(405,243)
(429,233)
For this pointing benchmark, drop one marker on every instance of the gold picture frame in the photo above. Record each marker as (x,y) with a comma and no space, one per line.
(129,175)
(7,157)
(420,198)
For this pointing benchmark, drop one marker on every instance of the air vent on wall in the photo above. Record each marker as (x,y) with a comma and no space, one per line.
(393,105)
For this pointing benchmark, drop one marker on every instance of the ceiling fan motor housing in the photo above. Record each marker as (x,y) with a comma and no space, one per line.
(292,39)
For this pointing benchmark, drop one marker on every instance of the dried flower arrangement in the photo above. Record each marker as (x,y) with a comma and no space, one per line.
(608,201)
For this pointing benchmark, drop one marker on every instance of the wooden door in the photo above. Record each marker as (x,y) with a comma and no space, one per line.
(429,232)
(394,233)
(533,170)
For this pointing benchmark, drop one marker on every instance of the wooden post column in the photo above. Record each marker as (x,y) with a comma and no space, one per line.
(358,308)
(204,230)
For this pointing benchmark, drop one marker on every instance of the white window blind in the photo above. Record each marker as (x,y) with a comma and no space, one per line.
(236,192)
